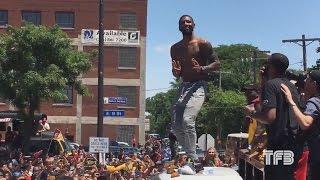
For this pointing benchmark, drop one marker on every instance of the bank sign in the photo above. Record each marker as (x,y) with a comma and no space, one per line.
(111,37)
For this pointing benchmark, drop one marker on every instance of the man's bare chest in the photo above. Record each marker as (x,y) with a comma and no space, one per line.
(187,52)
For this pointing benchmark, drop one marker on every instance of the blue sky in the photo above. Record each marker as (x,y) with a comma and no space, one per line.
(263,24)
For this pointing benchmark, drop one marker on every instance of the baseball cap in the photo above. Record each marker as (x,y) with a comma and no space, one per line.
(279,61)
(315,75)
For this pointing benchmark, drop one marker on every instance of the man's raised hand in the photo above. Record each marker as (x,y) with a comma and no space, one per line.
(195,65)
(176,68)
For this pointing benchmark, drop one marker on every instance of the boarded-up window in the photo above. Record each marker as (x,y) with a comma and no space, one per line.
(128,21)
(69,94)
(125,133)
(65,19)
(127,57)
(3,18)
(130,93)
(33,17)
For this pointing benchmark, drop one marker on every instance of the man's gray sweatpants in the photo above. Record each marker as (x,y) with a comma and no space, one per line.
(190,98)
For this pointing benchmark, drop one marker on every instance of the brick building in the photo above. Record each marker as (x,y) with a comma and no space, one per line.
(124,65)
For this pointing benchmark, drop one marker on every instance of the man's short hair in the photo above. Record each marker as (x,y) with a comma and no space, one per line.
(279,61)
(250,87)
(315,76)
(185,15)
(44,116)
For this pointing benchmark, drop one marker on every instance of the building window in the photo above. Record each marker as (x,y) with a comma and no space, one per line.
(65,19)
(3,18)
(33,17)
(69,94)
(125,133)
(127,57)
(128,21)
(130,93)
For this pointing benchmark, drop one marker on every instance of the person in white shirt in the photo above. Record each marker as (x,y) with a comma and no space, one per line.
(44,124)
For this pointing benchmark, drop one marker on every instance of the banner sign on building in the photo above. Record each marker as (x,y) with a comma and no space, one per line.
(98,145)
(111,37)
(115,100)
(113,113)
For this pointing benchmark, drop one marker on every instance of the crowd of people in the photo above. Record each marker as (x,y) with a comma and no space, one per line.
(152,159)
(287,113)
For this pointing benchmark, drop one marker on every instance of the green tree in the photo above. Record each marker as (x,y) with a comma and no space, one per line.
(238,60)
(36,64)
(159,107)
(222,113)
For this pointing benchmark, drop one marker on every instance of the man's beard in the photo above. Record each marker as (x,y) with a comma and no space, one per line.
(187,32)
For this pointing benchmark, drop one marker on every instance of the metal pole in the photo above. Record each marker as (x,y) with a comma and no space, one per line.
(206,144)
(304,47)
(100,72)
(304,50)
(254,67)
(220,79)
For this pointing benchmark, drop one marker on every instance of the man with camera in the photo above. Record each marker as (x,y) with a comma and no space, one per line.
(276,114)
(309,120)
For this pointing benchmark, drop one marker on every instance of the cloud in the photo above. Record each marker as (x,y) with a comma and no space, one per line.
(162,48)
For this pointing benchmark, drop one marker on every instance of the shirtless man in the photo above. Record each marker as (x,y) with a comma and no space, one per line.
(192,59)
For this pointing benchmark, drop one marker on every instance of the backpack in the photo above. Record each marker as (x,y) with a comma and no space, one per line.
(314,129)
(313,137)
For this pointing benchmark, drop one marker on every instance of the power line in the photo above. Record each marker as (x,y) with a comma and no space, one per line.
(157,89)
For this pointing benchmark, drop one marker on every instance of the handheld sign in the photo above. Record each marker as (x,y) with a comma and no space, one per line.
(98,145)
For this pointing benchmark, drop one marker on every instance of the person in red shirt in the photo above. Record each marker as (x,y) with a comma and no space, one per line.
(133,141)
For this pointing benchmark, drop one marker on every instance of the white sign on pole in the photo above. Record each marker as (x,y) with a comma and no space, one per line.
(98,145)
(147,124)
(111,37)
(115,100)
(202,142)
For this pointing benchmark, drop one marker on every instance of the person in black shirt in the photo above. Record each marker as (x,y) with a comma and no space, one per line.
(309,120)
(279,119)
(9,135)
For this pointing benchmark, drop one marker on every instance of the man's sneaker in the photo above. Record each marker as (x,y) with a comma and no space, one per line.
(196,164)
(187,169)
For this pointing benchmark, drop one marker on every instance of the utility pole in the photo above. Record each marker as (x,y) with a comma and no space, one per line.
(303,40)
(220,76)
(255,57)
(100,71)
